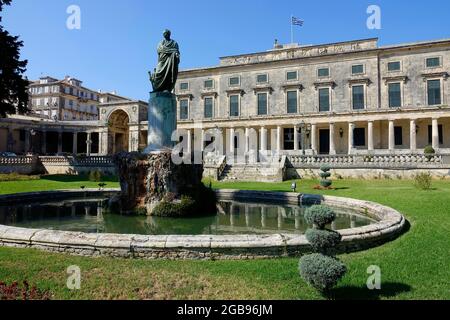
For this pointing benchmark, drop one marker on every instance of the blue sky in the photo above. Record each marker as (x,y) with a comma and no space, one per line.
(116,44)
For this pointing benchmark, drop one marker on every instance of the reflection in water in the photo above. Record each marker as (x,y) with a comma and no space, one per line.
(90,215)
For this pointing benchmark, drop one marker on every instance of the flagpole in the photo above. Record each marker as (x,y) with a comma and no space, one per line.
(292,29)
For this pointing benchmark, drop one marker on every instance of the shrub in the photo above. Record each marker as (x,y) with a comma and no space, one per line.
(320,271)
(429,152)
(321,240)
(185,207)
(16,292)
(325,174)
(423,181)
(95,176)
(319,215)
(17,177)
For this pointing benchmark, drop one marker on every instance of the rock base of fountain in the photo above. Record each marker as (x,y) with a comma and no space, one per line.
(154,185)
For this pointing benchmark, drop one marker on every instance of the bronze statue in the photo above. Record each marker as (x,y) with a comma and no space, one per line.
(165,75)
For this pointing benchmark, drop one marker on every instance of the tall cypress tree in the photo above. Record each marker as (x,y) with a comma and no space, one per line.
(13,86)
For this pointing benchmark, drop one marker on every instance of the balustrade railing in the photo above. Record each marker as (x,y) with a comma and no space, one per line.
(369,161)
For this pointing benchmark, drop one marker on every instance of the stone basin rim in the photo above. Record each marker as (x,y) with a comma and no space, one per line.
(243,246)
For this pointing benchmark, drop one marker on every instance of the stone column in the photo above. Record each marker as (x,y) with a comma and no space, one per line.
(351,128)
(247,140)
(75,143)
(263,139)
(202,143)
(412,136)
(231,146)
(391,136)
(332,144)
(295,138)
(435,134)
(89,144)
(313,138)
(370,146)
(189,141)
(60,142)
(279,138)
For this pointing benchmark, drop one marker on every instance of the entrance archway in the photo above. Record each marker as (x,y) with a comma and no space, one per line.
(119,132)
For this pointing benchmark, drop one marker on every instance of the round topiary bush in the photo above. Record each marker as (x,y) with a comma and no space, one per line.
(319,216)
(321,240)
(325,174)
(321,271)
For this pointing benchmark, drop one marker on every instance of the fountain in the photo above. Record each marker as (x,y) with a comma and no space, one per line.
(151,181)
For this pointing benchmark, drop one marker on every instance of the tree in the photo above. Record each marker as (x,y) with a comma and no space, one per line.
(13,86)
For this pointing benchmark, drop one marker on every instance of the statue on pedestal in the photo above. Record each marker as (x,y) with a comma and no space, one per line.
(151,182)
(165,74)
(162,107)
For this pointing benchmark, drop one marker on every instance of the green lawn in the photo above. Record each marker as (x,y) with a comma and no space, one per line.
(415,266)
(54,182)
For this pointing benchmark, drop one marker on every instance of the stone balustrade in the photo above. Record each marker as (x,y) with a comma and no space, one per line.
(403,161)
(56,165)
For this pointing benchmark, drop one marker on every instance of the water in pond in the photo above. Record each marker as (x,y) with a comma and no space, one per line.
(90,215)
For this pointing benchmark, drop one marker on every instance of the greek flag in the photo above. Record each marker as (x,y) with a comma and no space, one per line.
(297,22)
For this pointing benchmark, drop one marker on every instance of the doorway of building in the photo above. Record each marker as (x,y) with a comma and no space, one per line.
(324,141)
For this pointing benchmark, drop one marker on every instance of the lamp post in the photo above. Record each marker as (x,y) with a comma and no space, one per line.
(306,131)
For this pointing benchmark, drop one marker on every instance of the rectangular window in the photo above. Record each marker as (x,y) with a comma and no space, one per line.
(398,136)
(292,104)
(394,66)
(434,92)
(358,69)
(323,72)
(291,75)
(234,81)
(359,137)
(184,109)
(358,97)
(324,99)
(262,103)
(209,84)
(441,134)
(433,62)
(234,105)
(262,78)
(184,86)
(208,104)
(395,95)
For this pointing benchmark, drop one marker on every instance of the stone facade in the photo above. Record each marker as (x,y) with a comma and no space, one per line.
(358,112)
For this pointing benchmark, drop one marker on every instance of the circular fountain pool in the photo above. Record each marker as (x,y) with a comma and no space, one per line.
(91,215)
(248,225)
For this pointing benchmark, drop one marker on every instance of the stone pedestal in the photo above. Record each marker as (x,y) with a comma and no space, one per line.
(162,121)
(148,179)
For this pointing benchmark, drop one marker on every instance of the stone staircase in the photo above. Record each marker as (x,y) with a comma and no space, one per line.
(252,172)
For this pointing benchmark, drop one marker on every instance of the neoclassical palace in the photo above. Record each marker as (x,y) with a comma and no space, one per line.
(350,104)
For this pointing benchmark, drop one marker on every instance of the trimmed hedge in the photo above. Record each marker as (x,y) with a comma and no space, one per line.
(321,240)
(320,271)
(319,215)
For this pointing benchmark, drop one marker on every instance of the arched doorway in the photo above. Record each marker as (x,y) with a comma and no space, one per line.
(119,132)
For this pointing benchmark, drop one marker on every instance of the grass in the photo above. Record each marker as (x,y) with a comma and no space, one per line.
(415,266)
(52,182)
